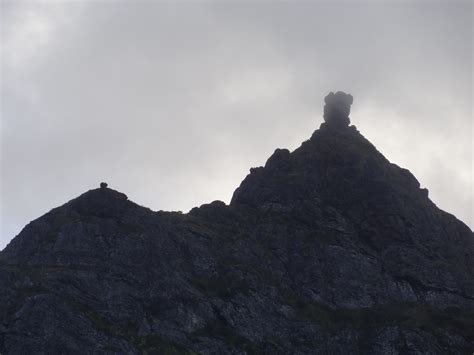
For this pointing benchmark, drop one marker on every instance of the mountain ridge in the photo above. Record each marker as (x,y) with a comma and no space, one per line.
(327,249)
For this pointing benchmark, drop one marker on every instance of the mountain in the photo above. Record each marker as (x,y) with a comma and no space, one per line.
(329,249)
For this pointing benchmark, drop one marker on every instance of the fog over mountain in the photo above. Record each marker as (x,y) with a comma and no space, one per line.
(173,102)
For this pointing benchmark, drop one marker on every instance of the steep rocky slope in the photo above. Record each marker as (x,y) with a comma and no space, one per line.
(329,249)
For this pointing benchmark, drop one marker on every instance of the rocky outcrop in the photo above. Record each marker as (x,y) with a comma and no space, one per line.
(337,109)
(326,249)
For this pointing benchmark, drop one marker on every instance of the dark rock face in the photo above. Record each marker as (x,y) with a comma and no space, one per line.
(337,109)
(329,249)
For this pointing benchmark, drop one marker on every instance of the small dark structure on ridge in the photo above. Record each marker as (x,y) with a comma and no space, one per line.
(337,109)
(103,185)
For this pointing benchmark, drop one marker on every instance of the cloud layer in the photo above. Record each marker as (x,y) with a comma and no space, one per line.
(172,103)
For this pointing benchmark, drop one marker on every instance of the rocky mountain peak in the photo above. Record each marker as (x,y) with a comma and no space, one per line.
(337,165)
(102,202)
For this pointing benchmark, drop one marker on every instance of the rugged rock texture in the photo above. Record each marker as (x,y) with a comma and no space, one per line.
(329,249)
(337,109)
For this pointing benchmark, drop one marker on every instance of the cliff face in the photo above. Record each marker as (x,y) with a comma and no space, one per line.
(327,249)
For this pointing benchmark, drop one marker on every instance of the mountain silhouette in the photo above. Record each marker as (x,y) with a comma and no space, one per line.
(329,249)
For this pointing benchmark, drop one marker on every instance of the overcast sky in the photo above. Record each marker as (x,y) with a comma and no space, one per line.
(173,102)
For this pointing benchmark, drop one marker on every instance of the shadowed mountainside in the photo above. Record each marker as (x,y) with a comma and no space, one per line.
(329,249)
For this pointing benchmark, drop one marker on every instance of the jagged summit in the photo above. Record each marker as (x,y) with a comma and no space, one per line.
(337,164)
(327,249)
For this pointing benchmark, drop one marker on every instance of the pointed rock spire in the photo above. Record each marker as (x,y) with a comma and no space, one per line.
(337,109)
